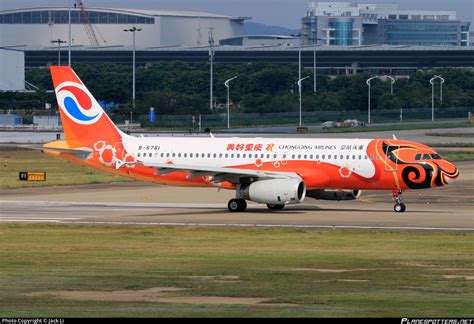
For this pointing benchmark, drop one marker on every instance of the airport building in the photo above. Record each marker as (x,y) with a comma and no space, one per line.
(344,23)
(12,70)
(104,27)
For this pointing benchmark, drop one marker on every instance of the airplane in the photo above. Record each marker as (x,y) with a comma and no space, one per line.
(273,171)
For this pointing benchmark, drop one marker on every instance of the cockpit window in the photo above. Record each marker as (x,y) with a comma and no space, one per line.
(418,157)
(426,157)
(436,156)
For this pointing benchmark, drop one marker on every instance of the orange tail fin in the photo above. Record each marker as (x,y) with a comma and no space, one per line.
(84,121)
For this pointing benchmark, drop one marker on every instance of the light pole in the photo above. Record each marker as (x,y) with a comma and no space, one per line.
(441,81)
(299,90)
(368,102)
(315,44)
(59,41)
(226,83)
(211,60)
(133,30)
(69,37)
(392,81)
(299,52)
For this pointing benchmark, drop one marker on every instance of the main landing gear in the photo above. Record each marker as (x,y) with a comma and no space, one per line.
(237,205)
(399,205)
(275,207)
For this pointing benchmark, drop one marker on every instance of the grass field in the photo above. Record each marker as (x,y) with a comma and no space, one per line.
(58,172)
(455,156)
(320,273)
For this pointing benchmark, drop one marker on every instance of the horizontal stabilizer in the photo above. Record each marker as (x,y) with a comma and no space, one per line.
(83,153)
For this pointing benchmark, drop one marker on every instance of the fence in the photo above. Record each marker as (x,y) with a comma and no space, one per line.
(292,118)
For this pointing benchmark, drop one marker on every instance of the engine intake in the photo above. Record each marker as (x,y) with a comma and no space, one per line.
(275,191)
(334,194)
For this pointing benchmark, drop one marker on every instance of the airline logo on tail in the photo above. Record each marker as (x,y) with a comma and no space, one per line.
(78,103)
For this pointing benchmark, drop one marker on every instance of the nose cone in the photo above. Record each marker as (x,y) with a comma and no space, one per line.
(449,172)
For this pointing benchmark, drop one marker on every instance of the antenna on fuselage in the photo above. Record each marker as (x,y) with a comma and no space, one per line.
(394,137)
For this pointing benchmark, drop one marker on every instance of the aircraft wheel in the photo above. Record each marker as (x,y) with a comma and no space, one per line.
(399,208)
(237,205)
(275,207)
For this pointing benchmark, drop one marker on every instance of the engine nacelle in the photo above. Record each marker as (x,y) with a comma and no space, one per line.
(334,194)
(275,191)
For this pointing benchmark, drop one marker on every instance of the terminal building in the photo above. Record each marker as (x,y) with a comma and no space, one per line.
(104,27)
(344,23)
(12,70)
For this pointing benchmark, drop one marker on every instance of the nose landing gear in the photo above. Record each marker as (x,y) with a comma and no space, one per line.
(399,206)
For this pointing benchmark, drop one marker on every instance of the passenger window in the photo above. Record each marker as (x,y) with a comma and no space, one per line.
(208,155)
(360,157)
(284,156)
(275,156)
(317,156)
(299,156)
(167,155)
(305,156)
(268,156)
(232,156)
(162,154)
(173,155)
(186,154)
(418,157)
(329,156)
(215,155)
(323,157)
(179,154)
(190,154)
(149,155)
(426,157)
(226,155)
(238,155)
(138,154)
(293,157)
(353,157)
(220,155)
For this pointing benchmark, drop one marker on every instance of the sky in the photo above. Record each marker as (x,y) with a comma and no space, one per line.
(285,13)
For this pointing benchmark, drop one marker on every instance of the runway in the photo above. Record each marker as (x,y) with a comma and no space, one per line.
(138,204)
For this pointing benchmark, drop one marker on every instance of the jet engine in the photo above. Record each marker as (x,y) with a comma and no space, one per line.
(275,191)
(334,194)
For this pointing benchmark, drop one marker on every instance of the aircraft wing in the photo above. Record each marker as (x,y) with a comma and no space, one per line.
(218,174)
